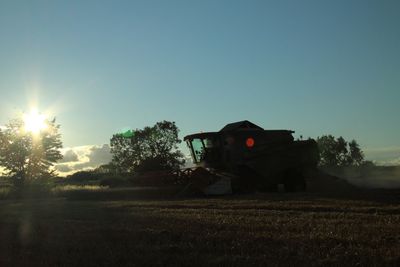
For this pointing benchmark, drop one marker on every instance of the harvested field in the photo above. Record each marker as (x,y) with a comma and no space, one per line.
(277,229)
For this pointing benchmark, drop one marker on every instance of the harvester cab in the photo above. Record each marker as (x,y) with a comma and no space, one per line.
(255,159)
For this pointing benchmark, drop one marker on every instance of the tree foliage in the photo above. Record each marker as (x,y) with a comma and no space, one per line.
(339,152)
(151,148)
(26,156)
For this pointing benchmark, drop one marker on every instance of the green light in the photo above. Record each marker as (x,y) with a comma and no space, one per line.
(126,132)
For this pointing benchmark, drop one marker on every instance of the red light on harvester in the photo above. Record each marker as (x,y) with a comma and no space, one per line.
(250,142)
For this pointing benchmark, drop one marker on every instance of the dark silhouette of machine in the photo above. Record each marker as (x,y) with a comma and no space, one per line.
(252,158)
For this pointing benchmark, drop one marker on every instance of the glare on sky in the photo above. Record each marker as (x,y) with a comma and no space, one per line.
(34,122)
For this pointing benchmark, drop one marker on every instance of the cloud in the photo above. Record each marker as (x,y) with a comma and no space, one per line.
(83,158)
(63,168)
(384,156)
(69,156)
(392,162)
(96,156)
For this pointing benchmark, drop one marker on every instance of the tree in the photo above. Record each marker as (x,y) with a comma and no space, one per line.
(327,150)
(27,156)
(339,152)
(152,148)
(356,156)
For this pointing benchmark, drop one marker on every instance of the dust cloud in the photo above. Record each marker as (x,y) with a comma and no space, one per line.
(384,177)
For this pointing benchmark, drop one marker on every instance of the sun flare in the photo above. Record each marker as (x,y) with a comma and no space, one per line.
(34,122)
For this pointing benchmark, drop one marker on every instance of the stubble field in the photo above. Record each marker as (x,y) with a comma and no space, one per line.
(119,228)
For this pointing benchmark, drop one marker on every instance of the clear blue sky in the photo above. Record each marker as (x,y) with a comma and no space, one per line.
(315,67)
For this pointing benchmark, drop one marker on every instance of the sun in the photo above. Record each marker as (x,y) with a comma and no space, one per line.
(34,122)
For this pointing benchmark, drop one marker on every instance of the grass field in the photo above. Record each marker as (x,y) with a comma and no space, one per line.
(121,228)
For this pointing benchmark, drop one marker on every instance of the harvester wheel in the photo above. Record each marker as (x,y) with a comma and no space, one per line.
(294,181)
(266,187)
(246,180)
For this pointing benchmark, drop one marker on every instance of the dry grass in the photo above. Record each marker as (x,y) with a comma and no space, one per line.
(67,188)
(253,230)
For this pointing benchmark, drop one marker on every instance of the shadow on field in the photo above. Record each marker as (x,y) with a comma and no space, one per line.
(249,236)
(383,196)
(124,193)
(320,185)
(138,229)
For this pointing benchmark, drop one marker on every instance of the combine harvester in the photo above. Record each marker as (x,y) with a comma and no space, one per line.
(243,157)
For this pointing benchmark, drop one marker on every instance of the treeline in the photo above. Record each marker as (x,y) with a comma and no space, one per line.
(155,148)
(151,149)
(27,157)
(337,152)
